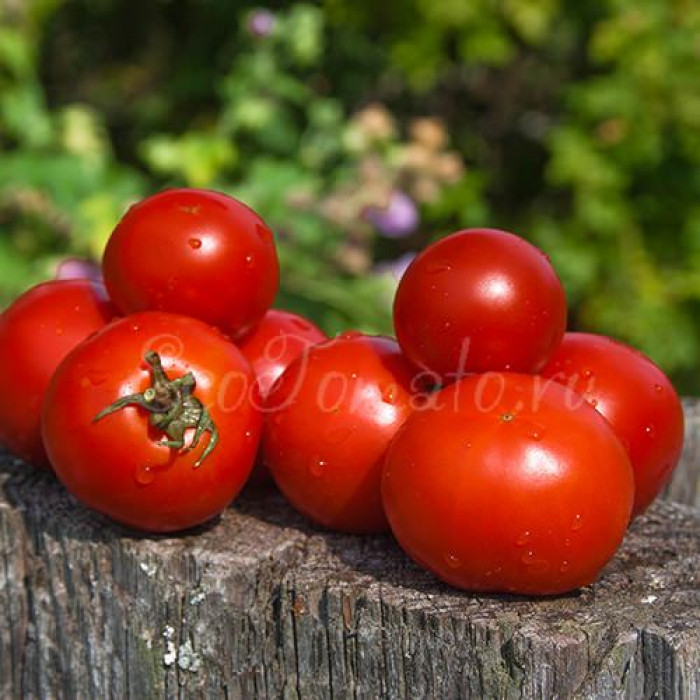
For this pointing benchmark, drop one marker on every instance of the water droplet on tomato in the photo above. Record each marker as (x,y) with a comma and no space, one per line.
(248,434)
(135,327)
(194,243)
(564,566)
(145,475)
(658,388)
(60,331)
(528,557)
(577,522)
(539,566)
(335,436)
(349,335)
(435,268)
(263,232)
(451,560)
(587,373)
(317,466)
(567,542)
(249,261)
(523,538)
(389,395)
(650,431)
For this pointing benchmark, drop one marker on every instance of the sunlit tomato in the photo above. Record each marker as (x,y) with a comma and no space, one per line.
(278,340)
(193,252)
(637,399)
(116,464)
(330,417)
(479,300)
(508,483)
(36,332)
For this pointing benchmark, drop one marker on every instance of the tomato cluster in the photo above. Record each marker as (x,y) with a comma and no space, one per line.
(505,454)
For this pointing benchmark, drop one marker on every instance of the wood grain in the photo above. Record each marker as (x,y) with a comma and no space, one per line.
(261,604)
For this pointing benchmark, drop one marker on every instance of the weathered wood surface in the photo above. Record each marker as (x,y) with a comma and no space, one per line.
(260,604)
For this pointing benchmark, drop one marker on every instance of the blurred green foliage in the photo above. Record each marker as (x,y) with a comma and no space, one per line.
(574,124)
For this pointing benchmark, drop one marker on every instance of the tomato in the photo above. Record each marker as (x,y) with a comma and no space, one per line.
(479,300)
(508,483)
(330,417)
(637,399)
(279,339)
(193,252)
(36,332)
(110,457)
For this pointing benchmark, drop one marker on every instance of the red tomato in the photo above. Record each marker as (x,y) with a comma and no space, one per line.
(193,252)
(36,332)
(278,340)
(508,483)
(479,300)
(116,465)
(330,418)
(635,396)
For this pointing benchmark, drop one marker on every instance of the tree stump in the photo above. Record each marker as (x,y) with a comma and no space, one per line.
(261,604)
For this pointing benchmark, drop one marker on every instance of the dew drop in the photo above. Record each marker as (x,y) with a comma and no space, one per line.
(263,232)
(389,395)
(528,557)
(468,445)
(249,261)
(451,560)
(539,566)
(436,268)
(194,243)
(317,466)
(135,327)
(577,522)
(536,434)
(567,542)
(658,388)
(523,538)
(564,566)
(337,435)
(650,431)
(587,373)
(145,475)
(248,434)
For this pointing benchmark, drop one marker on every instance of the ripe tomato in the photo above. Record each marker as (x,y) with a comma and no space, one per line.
(36,332)
(508,483)
(114,462)
(278,340)
(193,252)
(637,399)
(479,300)
(330,418)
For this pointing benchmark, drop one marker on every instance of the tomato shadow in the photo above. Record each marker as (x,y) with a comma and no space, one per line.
(46,506)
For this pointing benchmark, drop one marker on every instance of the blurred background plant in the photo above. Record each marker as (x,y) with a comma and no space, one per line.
(361,131)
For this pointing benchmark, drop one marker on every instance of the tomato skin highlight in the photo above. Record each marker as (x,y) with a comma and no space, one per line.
(636,398)
(329,420)
(479,300)
(114,465)
(194,252)
(508,483)
(36,332)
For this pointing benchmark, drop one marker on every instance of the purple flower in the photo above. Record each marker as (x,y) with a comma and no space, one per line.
(395,268)
(77,268)
(398,219)
(260,23)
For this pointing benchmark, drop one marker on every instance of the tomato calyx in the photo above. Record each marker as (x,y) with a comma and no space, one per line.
(173,409)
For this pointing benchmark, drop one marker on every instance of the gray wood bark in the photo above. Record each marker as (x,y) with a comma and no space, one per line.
(261,604)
